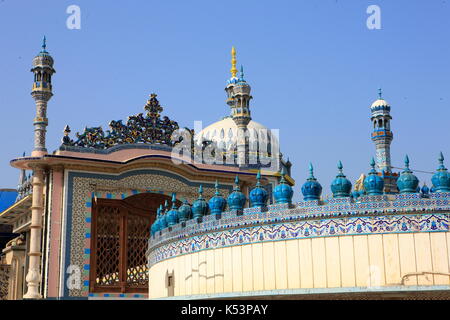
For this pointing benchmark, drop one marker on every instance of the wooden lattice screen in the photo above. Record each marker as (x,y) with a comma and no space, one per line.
(120,232)
(5,270)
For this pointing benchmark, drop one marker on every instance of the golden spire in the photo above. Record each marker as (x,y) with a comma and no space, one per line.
(233,69)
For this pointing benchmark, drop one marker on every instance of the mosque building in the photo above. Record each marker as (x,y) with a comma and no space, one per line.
(149,210)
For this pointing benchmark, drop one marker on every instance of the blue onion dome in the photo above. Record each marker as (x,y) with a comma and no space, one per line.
(241,81)
(258,195)
(162,224)
(155,226)
(236,200)
(373,183)
(341,186)
(232,80)
(172,214)
(184,212)
(200,206)
(425,190)
(217,204)
(441,179)
(407,182)
(283,191)
(311,189)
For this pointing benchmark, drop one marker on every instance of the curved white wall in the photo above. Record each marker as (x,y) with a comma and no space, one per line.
(354,262)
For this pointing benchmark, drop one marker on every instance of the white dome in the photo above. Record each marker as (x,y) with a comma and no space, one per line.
(225,129)
(380,103)
(224,133)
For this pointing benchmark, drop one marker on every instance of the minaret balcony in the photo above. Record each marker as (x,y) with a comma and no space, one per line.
(41,85)
(381,134)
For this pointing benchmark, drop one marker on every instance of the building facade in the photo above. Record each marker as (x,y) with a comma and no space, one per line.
(146,209)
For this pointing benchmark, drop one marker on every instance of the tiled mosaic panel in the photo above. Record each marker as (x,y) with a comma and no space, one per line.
(342,207)
(83,192)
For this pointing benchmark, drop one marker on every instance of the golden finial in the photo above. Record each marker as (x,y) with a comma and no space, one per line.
(233,62)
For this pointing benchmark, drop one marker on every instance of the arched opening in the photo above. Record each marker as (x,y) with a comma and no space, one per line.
(120,230)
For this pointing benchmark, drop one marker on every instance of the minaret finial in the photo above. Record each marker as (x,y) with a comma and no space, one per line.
(379,93)
(340,166)
(233,69)
(311,171)
(406,162)
(216,186)
(44,44)
(258,178)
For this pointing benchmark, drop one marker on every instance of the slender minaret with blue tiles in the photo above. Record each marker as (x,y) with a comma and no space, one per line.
(238,91)
(382,137)
(41,92)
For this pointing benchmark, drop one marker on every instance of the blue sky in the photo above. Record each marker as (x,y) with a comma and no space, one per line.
(314,68)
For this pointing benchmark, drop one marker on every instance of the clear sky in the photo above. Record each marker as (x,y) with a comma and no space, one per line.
(314,68)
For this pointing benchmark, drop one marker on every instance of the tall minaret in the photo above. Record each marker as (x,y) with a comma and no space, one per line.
(382,137)
(41,92)
(239,97)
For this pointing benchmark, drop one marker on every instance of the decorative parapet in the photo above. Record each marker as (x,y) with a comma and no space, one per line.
(24,189)
(339,216)
(149,129)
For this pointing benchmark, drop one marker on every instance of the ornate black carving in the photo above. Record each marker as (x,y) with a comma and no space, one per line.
(151,129)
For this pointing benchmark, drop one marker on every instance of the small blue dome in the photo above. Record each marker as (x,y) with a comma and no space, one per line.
(162,224)
(311,189)
(407,182)
(232,80)
(283,192)
(341,186)
(217,204)
(184,212)
(258,195)
(425,190)
(155,226)
(355,194)
(172,215)
(200,206)
(373,183)
(236,199)
(241,81)
(441,179)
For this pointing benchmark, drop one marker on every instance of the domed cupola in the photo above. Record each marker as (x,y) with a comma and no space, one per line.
(236,199)
(258,195)
(380,105)
(200,206)
(425,190)
(283,191)
(217,204)
(341,186)
(162,224)
(172,215)
(155,226)
(311,189)
(441,179)
(407,182)
(44,61)
(184,212)
(373,183)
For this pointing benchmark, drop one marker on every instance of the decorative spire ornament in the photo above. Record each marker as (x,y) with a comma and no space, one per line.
(233,69)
